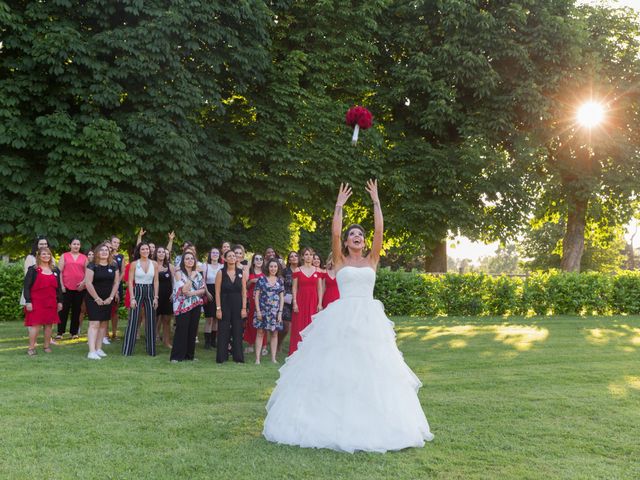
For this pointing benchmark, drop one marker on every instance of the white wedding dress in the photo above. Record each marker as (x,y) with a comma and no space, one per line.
(347,386)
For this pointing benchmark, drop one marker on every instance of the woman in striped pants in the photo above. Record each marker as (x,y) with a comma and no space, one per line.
(143,283)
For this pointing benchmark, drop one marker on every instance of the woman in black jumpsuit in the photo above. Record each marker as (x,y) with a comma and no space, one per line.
(231,301)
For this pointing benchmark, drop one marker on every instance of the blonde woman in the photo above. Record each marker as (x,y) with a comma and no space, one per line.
(102,278)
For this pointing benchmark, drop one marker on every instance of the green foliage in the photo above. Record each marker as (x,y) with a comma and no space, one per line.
(625,296)
(503,295)
(535,296)
(118,114)
(603,249)
(11,280)
(408,293)
(463,295)
(571,293)
(541,293)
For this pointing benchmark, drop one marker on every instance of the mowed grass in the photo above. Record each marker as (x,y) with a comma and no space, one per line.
(506,398)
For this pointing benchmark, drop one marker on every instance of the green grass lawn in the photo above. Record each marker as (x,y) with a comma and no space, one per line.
(519,398)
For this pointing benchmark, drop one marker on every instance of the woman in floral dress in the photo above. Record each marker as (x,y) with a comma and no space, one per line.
(269,301)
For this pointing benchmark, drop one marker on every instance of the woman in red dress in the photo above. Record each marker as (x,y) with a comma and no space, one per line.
(255,273)
(307,295)
(330,290)
(43,296)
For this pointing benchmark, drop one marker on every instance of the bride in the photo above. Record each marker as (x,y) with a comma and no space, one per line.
(347,386)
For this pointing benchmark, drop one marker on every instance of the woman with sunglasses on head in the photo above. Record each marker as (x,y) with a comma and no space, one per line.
(255,273)
(211,269)
(347,387)
(188,290)
(43,297)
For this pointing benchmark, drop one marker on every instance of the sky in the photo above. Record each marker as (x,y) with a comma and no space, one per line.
(462,247)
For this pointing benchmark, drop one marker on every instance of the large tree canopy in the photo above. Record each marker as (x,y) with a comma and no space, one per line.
(105,111)
(220,119)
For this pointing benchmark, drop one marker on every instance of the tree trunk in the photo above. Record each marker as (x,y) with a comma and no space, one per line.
(436,259)
(573,243)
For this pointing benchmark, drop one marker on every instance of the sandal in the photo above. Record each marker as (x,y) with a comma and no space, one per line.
(48,350)
(31,352)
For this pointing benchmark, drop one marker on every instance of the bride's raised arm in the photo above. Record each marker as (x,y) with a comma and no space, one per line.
(336,228)
(378,223)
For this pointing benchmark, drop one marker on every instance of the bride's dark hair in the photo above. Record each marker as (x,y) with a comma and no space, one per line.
(345,236)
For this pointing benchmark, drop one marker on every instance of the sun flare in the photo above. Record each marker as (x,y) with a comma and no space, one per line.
(590,114)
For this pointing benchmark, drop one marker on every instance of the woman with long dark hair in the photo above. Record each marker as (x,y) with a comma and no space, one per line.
(188,290)
(211,269)
(347,386)
(307,297)
(255,273)
(231,308)
(268,301)
(144,273)
(287,310)
(72,266)
(164,312)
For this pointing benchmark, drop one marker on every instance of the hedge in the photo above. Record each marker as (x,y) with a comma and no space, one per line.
(11,280)
(471,294)
(541,293)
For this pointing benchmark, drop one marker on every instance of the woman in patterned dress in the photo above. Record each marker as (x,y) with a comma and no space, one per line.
(268,301)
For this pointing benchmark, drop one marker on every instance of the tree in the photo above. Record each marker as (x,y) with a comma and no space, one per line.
(297,150)
(461,85)
(541,246)
(505,260)
(589,174)
(120,113)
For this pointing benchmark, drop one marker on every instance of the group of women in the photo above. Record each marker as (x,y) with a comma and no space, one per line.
(257,302)
(345,385)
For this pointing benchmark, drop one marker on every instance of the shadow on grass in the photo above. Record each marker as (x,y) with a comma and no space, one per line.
(518,334)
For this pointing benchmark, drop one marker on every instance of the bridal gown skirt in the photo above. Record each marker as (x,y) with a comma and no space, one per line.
(347,386)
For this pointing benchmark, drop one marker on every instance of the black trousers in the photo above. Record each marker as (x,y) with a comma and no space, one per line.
(184,338)
(71,302)
(230,329)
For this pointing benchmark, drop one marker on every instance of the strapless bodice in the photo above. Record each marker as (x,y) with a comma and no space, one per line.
(356,281)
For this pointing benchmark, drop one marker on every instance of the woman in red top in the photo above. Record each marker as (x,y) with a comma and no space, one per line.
(72,266)
(307,295)
(330,289)
(255,273)
(43,296)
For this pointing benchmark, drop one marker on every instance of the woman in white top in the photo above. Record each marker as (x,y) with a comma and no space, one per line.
(143,282)
(211,323)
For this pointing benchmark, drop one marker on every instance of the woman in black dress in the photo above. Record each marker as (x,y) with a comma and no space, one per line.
(164,312)
(287,275)
(211,269)
(231,309)
(102,279)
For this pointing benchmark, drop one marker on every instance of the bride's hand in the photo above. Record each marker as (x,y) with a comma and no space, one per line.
(343,194)
(372,188)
